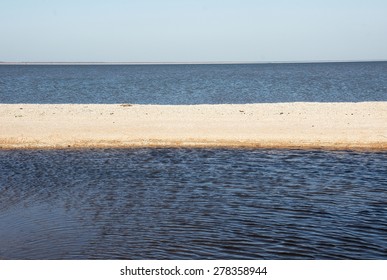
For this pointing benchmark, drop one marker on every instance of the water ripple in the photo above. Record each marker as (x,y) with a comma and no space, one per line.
(194,84)
(193,204)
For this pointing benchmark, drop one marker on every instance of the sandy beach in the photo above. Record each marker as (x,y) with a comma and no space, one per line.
(280,125)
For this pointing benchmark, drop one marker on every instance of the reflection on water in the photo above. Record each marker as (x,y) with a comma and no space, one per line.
(193,204)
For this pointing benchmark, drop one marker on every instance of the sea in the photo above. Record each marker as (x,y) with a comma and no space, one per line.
(197,203)
(194,84)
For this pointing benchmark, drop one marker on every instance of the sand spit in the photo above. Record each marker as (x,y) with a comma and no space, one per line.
(278,125)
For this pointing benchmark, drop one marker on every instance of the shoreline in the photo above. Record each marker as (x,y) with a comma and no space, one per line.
(58,63)
(300,125)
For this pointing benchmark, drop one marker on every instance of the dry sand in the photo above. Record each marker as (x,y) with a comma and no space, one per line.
(279,125)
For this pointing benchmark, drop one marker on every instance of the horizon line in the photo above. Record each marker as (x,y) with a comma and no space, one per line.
(179,63)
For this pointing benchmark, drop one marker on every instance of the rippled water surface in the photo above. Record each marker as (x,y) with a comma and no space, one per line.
(194,84)
(193,204)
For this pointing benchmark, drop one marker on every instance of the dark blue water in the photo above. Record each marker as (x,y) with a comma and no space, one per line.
(193,204)
(194,84)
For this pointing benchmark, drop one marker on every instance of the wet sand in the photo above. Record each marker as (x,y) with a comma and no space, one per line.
(278,125)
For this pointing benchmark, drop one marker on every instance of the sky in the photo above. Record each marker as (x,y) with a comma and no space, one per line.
(192,30)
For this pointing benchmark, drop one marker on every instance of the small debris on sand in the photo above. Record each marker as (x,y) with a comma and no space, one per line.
(282,125)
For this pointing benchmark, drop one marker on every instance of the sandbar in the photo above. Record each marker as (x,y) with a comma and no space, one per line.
(361,125)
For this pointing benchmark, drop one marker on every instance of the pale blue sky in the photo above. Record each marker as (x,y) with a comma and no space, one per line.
(192,30)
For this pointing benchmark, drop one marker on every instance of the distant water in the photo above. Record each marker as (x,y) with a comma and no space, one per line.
(193,204)
(195,84)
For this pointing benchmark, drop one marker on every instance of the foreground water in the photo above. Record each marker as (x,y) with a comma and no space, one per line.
(193,204)
(194,84)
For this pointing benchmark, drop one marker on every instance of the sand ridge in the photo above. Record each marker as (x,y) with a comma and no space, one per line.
(267,125)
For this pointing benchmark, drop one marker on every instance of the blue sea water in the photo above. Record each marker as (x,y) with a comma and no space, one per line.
(194,84)
(193,203)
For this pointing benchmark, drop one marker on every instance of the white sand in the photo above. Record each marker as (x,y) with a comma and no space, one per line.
(279,125)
